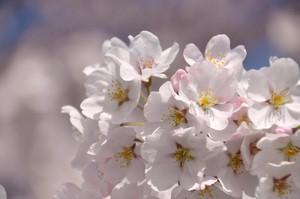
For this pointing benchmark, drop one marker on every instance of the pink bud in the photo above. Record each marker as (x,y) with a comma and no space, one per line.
(283,130)
(175,79)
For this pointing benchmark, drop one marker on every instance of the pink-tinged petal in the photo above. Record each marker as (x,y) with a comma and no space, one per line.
(67,191)
(296,175)
(167,57)
(261,115)
(225,86)
(218,44)
(283,73)
(136,171)
(220,115)
(130,191)
(225,134)
(188,88)
(3,192)
(274,141)
(76,118)
(230,182)
(146,45)
(288,118)
(164,175)
(283,130)
(175,79)
(113,171)
(237,102)
(155,108)
(236,55)
(258,86)
(158,140)
(129,65)
(192,54)
(91,108)
(190,175)
(128,72)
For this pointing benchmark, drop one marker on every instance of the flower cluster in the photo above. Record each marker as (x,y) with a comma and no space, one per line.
(214,130)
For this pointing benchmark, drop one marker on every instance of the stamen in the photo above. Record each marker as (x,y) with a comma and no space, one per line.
(236,163)
(149,63)
(217,61)
(182,155)
(100,173)
(279,97)
(206,193)
(246,119)
(206,99)
(281,186)
(175,116)
(125,157)
(290,152)
(116,92)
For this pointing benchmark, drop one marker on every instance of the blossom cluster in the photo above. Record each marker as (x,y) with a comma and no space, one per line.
(213,130)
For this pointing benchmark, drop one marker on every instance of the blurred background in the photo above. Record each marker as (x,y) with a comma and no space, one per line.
(45,44)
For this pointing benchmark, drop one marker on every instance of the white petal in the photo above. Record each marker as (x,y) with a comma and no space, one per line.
(164,175)
(284,73)
(146,45)
(192,54)
(258,88)
(167,57)
(218,44)
(261,114)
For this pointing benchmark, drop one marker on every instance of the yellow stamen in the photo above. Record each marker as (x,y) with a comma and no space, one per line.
(206,193)
(182,155)
(290,151)
(217,61)
(281,186)
(236,163)
(206,99)
(175,116)
(117,93)
(279,97)
(126,156)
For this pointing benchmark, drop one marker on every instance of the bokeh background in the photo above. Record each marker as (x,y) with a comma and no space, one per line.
(45,44)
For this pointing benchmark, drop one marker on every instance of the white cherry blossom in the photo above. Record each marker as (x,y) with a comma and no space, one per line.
(144,58)
(209,90)
(219,53)
(276,93)
(108,93)
(173,157)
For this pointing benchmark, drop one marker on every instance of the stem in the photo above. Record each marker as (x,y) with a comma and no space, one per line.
(133,124)
(147,85)
(148,90)
(143,97)
(140,107)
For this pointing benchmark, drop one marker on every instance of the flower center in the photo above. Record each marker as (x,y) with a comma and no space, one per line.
(175,116)
(280,97)
(236,163)
(290,151)
(281,186)
(206,99)
(244,119)
(146,63)
(206,193)
(217,61)
(182,155)
(118,93)
(125,157)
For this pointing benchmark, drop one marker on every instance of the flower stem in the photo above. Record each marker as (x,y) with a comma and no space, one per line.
(143,97)
(140,107)
(133,124)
